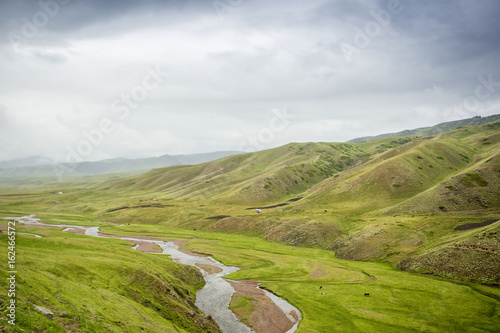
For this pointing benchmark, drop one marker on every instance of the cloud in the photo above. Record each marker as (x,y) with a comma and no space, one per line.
(226,70)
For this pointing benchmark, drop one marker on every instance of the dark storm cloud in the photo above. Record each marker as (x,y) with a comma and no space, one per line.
(443,42)
(449,33)
(79,13)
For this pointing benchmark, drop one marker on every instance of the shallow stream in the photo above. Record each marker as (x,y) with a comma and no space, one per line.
(213,298)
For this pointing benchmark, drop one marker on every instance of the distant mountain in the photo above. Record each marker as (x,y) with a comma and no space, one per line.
(26,162)
(432,130)
(395,199)
(40,166)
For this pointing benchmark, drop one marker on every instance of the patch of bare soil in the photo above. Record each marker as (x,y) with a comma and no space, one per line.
(268,207)
(275,206)
(179,243)
(138,206)
(209,268)
(469,226)
(469,247)
(267,316)
(318,273)
(148,247)
(218,217)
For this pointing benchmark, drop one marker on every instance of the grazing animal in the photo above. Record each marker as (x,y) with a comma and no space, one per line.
(367,294)
(320,287)
(322,293)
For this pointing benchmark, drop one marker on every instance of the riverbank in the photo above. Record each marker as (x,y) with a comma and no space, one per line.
(267,315)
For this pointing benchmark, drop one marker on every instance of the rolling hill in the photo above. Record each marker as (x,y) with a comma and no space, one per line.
(426,205)
(387,175)
(389,200)
(432,130)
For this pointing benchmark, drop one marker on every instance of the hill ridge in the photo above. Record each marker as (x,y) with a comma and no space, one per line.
(432,130)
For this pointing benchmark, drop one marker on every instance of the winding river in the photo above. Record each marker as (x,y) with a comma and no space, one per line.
(213,298)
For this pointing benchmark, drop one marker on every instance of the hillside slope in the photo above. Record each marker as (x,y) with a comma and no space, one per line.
(250,178)
(423,175)
(457,170)
(476,186)
(433,130)
(387,200)
(89,290)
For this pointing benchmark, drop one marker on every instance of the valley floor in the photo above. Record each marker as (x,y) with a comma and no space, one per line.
(329,292)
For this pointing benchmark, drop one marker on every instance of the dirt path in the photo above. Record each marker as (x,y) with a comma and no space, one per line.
(56,203)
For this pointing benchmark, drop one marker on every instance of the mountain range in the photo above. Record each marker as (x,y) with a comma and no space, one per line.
(403,200)
(356,219)
(45,167)
(428,204)
(36,166)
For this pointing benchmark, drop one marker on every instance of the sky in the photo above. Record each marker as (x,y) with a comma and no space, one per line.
(97,79)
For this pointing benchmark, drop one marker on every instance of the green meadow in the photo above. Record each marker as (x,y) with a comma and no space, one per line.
(338,221)
(398,301)
(99,285)
(104,285)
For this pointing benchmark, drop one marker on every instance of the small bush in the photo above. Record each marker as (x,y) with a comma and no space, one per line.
(467,182)
(471,179)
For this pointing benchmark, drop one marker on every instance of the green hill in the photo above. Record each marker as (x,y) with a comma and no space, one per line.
(426,205)
(99,285)
(265,176)
(388,175)
(357,199)
(432,130)
(385,200)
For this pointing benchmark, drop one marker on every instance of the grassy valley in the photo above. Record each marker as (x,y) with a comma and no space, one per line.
(402,218)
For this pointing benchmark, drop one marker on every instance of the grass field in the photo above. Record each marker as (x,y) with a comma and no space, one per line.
(101,284)
(398,301)
(391,201)
(102,292)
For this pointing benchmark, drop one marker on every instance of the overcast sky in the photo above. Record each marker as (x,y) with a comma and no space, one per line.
(95,79)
